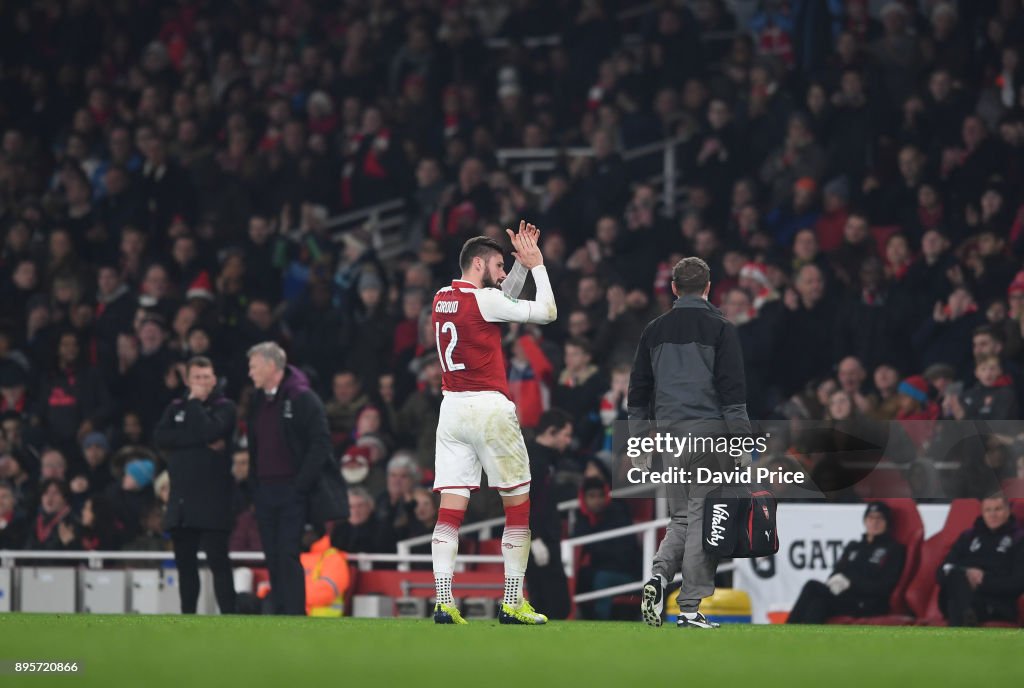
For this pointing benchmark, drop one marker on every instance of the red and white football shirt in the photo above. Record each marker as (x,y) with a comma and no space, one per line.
(465,319)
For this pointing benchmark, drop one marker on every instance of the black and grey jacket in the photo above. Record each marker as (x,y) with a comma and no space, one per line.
(689,368)
(200,473)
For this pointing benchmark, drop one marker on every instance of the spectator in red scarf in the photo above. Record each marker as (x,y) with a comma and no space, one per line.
(897,258)
(52,528)
(73,400)
(98,529)
(609,562)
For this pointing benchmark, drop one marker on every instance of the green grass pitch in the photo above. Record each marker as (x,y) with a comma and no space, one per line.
(247,652)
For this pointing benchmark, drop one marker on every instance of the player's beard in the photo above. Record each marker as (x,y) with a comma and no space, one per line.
(489,282)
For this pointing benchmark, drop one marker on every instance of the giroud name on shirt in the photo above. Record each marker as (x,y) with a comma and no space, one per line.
(477,428)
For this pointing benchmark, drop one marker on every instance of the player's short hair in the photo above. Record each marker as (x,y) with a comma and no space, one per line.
(691,275)
(198,362)
(553,419)
(478,247)
(989,331)
(272,352)
(997,494)
(581,344)
(362,493)
(405,462)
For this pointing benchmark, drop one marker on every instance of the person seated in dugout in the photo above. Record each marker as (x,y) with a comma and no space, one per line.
(983,574)
(862,579)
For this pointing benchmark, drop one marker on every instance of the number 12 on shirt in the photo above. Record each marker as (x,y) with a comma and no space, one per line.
(447,364)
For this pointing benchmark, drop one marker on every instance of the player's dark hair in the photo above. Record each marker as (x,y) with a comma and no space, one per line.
(997,494)
(552,419)
(198,362)
(478,247)
(62,486)
(581,344)
(691,276)
(992,332)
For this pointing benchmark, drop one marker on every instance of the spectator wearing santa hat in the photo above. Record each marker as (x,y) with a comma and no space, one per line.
(754,279)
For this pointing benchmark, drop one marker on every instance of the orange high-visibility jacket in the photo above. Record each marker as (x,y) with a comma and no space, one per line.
(327,578)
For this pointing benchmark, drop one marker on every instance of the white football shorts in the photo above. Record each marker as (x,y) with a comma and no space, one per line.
(479,430)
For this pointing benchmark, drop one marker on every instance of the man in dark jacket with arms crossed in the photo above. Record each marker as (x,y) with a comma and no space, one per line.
(194,433)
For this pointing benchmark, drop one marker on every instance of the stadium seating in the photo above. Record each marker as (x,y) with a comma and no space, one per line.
(392,583)
(908,530)
(1013,488)
(492,546)
(923,592)
(890,482)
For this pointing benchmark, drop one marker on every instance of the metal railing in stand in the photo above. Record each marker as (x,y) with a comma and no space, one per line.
(96,559)
(648,531)
(388,221)
(385,221)
(529,163)
(485,529)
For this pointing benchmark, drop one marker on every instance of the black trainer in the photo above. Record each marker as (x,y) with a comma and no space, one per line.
(699,621)
(653,602)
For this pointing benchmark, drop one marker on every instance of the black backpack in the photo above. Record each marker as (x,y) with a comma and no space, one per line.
(739,522)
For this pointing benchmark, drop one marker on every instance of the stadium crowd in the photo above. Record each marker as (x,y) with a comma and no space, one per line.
(167,171)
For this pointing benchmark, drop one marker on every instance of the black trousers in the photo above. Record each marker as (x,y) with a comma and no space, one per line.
(187,542)
(963,606)
(817,603)
(281,515)
(547,585)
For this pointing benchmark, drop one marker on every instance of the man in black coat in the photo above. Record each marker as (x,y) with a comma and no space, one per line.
(806,330)
(983,574)
(862,579)
(194,433)
(687,379)
(545,576)
(289,444)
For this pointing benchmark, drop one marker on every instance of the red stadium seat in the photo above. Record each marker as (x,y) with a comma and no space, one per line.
(1013,488)
(909,531)
(881,235)
(1017,507)
(883,483)
(353,581)
(641,509)
(923,593)
(492,546)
